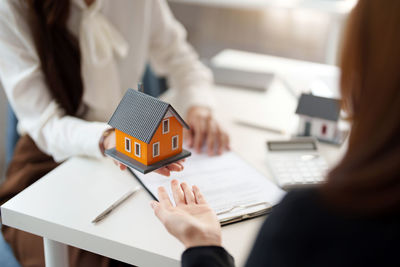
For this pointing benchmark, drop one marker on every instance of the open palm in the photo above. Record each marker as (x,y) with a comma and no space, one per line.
(192,221)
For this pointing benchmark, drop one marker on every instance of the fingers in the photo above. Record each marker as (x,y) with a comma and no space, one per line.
(198,195)
(199,134)
(163,171)
(180,164)
(177,167)
(204,129)
(188,194)
(164,198)
(212,137)
(182,193)
(223,143)
(121,166)
(217,139)
(177,193)
(227,142)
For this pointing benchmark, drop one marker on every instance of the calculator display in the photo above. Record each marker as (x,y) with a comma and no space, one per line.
(292,146)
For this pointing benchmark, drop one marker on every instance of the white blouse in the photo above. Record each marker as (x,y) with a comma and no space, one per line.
(117,39)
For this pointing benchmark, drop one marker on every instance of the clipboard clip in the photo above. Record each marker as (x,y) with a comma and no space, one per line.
(243,206)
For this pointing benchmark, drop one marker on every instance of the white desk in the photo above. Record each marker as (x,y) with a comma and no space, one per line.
(61,205)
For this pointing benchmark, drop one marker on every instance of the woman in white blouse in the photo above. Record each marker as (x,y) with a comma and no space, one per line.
(65,64)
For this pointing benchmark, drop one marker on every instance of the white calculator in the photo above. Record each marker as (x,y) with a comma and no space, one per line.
(296,163)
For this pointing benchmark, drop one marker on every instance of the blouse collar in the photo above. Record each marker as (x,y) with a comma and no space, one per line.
(98,38)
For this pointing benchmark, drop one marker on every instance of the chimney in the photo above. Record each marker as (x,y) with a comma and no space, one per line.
(140,87)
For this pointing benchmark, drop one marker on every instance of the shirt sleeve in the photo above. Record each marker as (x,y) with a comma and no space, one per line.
(39,115)
(207,256)
(171,55)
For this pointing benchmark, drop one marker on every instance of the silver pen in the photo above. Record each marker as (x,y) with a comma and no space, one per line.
(260,127)
(115,205)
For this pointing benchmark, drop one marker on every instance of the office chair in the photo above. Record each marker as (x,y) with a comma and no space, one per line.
(7,258)
(152,85)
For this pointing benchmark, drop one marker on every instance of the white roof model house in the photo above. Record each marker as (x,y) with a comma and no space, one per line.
(319,117)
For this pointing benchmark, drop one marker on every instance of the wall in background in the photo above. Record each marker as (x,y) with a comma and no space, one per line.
(3,119)
(300,34)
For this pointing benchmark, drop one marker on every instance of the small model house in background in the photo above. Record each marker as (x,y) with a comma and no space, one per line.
(148,131)
(319,117)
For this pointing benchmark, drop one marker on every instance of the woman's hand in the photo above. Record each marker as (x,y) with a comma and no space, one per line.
(191,221)
(204,129)
(109,142)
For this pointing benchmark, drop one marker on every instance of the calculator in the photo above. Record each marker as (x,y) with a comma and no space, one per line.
(296,163)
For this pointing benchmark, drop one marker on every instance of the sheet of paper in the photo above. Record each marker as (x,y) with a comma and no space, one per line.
(226,181)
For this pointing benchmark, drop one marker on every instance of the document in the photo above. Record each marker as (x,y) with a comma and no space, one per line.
(233,188)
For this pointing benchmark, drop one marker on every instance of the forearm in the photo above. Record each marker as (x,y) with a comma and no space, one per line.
(208,256)
(70,136)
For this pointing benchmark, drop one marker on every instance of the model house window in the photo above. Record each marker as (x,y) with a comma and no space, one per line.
(137,150)
(127,144)
(175,142)
(156,149)
(165,126)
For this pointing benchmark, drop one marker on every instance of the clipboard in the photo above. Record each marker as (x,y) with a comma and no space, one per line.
(235,190)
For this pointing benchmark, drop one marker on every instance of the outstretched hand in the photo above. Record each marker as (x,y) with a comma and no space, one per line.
(191,221)
(109,142)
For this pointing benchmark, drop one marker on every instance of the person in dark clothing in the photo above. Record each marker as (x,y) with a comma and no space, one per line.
(354,218)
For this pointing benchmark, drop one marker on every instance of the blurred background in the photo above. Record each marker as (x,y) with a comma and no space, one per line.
(3,116)
(299,29)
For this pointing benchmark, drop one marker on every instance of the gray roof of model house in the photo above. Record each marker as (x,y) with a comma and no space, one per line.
(319,107)
(139,115)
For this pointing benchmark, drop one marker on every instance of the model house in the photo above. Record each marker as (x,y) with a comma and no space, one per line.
(148,132)
(318,117)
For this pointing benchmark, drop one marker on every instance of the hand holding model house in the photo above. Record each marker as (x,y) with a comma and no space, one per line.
(148,134)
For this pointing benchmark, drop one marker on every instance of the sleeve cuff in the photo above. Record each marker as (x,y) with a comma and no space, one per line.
(210,256)
(96,131)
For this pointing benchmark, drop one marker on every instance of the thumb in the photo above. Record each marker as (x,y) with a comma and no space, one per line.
(154,205)
(158,210)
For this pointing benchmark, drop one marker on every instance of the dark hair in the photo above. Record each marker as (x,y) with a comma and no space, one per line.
(58,51)
(367,180)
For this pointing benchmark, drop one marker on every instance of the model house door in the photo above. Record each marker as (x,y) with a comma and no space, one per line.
(307,129)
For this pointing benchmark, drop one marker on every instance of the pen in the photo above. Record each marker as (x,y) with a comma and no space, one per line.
(260,127)
(115,205)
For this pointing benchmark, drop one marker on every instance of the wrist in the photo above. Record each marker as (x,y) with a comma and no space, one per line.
(103,139)
(198,111)
(197,238)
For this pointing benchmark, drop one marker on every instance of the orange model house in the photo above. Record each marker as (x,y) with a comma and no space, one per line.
(149,132)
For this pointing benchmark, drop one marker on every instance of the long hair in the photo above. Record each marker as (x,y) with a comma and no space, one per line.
(58,51)
(367,180)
